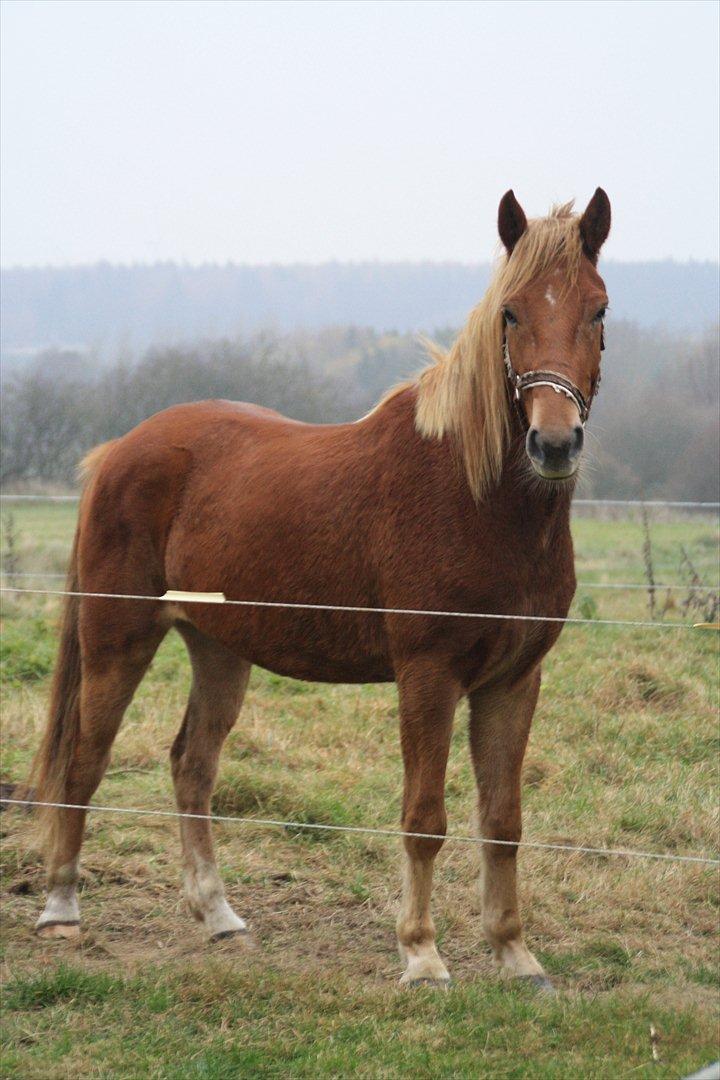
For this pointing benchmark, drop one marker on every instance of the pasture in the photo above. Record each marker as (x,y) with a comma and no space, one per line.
(623,753)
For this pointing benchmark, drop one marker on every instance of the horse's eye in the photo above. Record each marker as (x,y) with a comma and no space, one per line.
(509,318)
(600,315)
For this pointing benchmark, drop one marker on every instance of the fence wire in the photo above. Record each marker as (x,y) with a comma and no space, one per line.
(370,831)
(220,598)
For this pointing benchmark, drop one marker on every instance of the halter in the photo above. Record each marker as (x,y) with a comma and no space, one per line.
(559,383)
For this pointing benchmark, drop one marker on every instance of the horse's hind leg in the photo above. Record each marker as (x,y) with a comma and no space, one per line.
(218,687)
(109,680)
(499,726)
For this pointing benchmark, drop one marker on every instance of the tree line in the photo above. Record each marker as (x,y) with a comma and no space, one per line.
(106,306)
(654,428)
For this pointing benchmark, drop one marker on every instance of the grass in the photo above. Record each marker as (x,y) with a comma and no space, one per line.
(256,1022)
(624,753)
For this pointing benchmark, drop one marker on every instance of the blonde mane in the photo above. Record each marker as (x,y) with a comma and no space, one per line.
(463,392)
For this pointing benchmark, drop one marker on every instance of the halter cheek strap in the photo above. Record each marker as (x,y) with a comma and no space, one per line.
(559,383)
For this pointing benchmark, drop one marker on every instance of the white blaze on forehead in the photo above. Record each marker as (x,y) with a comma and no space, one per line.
(550,296)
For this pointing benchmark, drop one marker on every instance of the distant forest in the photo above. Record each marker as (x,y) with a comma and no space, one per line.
(653,431)
(107,309)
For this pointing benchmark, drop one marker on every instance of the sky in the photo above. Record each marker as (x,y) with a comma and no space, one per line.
(276,132)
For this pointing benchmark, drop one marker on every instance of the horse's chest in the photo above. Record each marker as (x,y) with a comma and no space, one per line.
(531,608)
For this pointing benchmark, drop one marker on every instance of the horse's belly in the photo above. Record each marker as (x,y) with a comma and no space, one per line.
(301,644)
(325,669)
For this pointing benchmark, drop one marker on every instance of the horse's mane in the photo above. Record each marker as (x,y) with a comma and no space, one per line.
(464,390)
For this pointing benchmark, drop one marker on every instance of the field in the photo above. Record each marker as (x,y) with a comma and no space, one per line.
(623,754)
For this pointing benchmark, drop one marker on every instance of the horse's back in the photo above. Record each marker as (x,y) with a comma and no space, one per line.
(156,459)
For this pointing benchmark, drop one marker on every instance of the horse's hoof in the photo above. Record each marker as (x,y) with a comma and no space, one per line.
(540,983)
(436,984)
(68,930)
(225,935)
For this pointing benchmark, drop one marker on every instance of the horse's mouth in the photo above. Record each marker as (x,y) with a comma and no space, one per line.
(556,476)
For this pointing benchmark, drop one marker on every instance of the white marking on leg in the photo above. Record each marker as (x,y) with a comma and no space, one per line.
(62,907)
(501,920)
(415,928)
(205,895)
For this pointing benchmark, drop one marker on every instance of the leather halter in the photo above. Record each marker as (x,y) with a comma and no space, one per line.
(560,384)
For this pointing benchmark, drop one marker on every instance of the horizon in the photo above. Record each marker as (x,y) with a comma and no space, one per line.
(233,263)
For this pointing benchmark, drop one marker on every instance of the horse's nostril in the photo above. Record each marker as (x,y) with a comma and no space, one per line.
(533,444)
(578,440)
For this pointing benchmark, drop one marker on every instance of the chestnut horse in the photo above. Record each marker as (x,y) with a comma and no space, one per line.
(453,494)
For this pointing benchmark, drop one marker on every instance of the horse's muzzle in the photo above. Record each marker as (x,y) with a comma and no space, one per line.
(555,455)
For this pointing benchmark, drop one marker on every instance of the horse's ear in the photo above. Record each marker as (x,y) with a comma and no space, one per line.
(512,222)
(595,224)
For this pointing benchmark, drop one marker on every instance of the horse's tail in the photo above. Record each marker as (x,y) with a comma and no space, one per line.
(52,762)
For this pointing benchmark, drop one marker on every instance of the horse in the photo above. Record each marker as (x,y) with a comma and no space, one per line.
(452,495)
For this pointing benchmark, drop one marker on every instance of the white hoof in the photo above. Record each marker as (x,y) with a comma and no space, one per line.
(515,960)
(68,931)
(220,921)
(243,936)
(424,967)
(61,917)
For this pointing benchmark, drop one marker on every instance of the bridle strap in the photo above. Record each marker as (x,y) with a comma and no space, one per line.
(559,383)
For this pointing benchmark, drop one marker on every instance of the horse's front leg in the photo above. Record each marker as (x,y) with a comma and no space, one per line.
(428,696)
(499,726)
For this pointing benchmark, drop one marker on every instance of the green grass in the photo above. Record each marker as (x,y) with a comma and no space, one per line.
(27,649)
(63,985)
(624,752)
(262,1022)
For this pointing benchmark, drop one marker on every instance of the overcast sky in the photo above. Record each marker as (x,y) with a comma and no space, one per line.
(307,131)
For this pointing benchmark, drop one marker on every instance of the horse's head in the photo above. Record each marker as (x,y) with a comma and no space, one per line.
(553,339)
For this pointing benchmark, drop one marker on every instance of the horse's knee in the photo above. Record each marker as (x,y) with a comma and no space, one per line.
(428,819)
(505,828)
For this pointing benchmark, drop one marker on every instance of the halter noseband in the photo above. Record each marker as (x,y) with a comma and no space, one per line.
(560,384)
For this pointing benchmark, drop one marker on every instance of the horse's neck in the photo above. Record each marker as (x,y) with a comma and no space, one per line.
(519,498)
